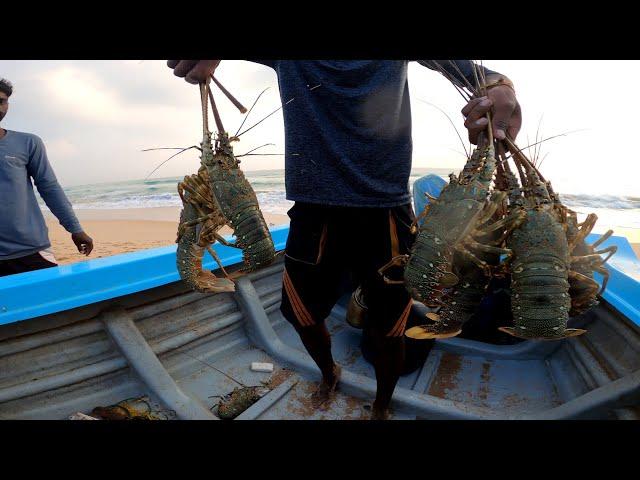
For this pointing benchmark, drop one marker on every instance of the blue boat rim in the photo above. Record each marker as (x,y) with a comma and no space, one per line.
(34,294)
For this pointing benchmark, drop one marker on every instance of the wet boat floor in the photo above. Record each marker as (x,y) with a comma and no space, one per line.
(501,385)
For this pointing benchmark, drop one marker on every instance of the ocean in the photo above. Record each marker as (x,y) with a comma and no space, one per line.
(612,210)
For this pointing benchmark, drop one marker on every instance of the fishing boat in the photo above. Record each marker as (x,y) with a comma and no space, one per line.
(100,332)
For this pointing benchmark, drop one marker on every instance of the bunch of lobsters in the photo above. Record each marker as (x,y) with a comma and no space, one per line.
(474,231)
(488,222)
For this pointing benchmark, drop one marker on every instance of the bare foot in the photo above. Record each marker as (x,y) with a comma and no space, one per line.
(326,392)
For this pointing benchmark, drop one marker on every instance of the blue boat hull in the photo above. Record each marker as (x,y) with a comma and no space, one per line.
(98,332)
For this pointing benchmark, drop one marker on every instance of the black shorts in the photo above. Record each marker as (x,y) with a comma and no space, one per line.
(27,263)
(325,241)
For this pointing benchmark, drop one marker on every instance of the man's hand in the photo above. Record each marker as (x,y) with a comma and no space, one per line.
(507,115)
(194,71)
(83,241)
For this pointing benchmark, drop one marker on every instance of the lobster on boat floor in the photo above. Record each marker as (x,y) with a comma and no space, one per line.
(218,195)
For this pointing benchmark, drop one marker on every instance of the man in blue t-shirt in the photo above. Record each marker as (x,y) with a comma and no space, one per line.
(24,239)
(348,153)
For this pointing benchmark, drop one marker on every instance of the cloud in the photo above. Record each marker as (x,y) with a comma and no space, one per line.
(80,94)
(96,116)
(61,147)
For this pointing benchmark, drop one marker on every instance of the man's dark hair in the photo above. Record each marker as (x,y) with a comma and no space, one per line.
(6,87)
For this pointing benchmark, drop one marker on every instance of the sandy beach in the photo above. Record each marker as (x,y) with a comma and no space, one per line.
(132,229)
(125,230)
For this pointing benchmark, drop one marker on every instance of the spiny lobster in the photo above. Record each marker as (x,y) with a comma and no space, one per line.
(219,194)
(551,267)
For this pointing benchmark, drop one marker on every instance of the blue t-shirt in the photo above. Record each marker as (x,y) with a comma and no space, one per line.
(348,129)
(23,230)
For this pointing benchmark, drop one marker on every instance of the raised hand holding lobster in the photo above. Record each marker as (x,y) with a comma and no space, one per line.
(500,99)
(194,71)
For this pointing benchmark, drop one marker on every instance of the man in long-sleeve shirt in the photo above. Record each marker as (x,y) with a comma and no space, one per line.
(348,153)
(24,239)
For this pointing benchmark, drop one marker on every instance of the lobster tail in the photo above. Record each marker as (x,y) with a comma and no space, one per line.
(540,299)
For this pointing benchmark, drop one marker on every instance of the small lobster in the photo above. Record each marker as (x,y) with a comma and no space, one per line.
(240,399)
(219,194)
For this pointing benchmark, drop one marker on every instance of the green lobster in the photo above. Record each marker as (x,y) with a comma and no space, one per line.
(219,195)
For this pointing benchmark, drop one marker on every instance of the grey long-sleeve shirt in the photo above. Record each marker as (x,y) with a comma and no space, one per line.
(23,230)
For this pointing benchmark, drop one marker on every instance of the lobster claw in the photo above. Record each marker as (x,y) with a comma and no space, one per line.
(428,332)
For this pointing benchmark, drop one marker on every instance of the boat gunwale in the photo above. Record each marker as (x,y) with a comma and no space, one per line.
(93,282)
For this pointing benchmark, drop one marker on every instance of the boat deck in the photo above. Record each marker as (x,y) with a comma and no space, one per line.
(184,350)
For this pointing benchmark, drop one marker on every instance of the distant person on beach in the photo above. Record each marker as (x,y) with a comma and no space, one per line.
(24,239)
(347,163)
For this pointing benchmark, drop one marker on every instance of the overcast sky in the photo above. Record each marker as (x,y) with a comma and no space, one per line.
(95,117)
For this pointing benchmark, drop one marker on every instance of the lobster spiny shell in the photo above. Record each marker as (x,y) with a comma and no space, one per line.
(448,222)
(539,278)
(237,201)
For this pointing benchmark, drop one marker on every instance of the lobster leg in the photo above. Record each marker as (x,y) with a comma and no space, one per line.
(496,200)
(487,248)
(422,215)
(602,239)
(470,256)
(586,228)
(487,214)
(583,291)
(610,250)
(399,261)
(511,222)
(605,276)
(592,259)
(222,240)
(217,259)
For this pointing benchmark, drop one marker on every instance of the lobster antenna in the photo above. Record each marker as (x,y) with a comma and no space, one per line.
(214,368)
(258,123)
(205,111)
(250,110)
(453,124)
(260,154)
(545,156)
(552,137)
(454,64)
(214,109)
(280,107)
(479,90)
(537,149)
(166,148)
(455,82)
(500,180)
(174,155)
(523,179)
(253,150)
(238,105)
